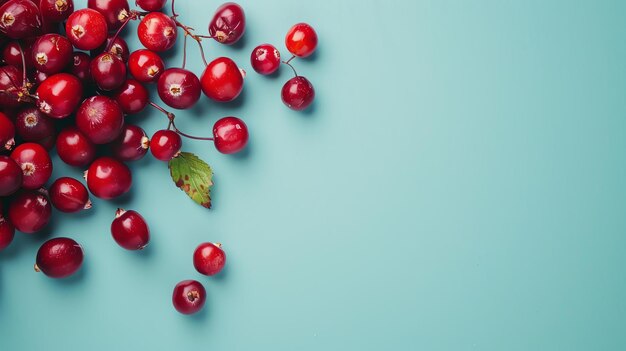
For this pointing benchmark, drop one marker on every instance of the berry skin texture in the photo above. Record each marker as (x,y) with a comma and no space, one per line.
(56,10)
(179,88)
(69,195)
(230,135)
(108,71)
(131,145)
(114,11)
(7,232)
(100,118)
(80,67)
(146,66)
(222,80)
(228,23)
(74,148)
(298,93)
(265,59)
(119,48)
(86,29)
(30,211)
(132,97)
(7,132)
(33,125)
(129,230)
(59,257)
(189,296)
(209,258)
(59,95)
(8,75)
(301,40)
(35,163)
(157,32)
(51,53)
(10,176)
(151,5)
(108,178)
(19,19)
(165,145)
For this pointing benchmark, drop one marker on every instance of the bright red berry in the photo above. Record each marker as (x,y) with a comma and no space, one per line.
(151,5)
(100,118)
(56,10)
(146,66)
(116,12)
(157,32)
(132,97)
(30,211)
(59,257)
(7,232)
(209,258)
(69,195)
(108,71)
(222,80)
(179,88)
(74,148)
(51,53)
(19,19)
(129,230)
(10,176)
(35,163)
(189,296)
(7,132)
(86,29)
(301,40)
(230,135)
(265,59)
(117,46)
(131,145)
(59,95)
(108,178)
(298,93)
(165,144)
(228,23)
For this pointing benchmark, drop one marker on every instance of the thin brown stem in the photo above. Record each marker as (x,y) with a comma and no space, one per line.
(132,16)
(291,58)
(185,51)
(172,125)
(289,64)
(189,31)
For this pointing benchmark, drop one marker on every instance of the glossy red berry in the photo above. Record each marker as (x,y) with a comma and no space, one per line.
(69,195)
(222,80)
(157,32)
(56,10)
(265,59)
(189,296)
(178,88)
(7,232)
(301,40)
(108,178)
(59,257)
(100,118)
(30,211)
(131,145)
(19,19)
(146,66)
(10,176)
(298,93)
(151,5)
(86,29)
(74,148)
(230,135)
(9,77)
(209,258)
(165,144)
(108,71)
(116,12)
(12,55)
(59,95)
(51,53)
(7,132)
(35,163)
(80,67)
(117,46)
(132,97)
(129,230)
(228,23)
(33,125)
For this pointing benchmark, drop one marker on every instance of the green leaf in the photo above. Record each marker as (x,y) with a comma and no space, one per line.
(193,176)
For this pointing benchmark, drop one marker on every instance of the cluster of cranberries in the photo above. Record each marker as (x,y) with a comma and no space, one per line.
(68,80)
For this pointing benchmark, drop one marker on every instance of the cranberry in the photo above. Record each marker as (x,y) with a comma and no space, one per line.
(165,144)
(157,32)
(10,176)
(151,5)
(116,12)
(80,67)
(30,211)
(119,48)
(108,178)
(265,59)
(108,71)
(301,40)
(19,19)
(222,80)
(35,163)
(230,135)
(86,29)
(129,230)
(40,77)
(7,232)
(59,257)
(69,195)
(74,148)
(52,53)
(59,95)
(7,132)
(12,55)
(178,88)
(189,296)
(100,119)
(33,125)
(228,23)
(9,77)
(131,145)
(56,10)
(131,96)
(298,93)
(145,65)
(209,258)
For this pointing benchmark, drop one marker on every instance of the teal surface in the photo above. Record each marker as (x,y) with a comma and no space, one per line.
(459,184)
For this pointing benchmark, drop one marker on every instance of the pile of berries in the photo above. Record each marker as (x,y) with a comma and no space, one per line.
(68,80)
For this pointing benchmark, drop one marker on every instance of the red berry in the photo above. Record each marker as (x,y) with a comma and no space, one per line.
(114,11)
(86,29)
(56,10)
(228,23)
(74,148)
(59,257)
(59,95)
(131,145)
(19,19)
(129,230)
(10,176)
(178,88)
(80,67)
(108,178)
(119,48)
(69,195)
(145,65)
(298,93)
(7,232)
(51,53)
(301,40)
(100,119)
(189,296)
(157,32)
(108,71)
(13,57)
(222,80)
(9,77)
(132,97)
(265,59)
(35,163)
(165,144)
(39,77)
(33,125)
(209,258)
(151,5)
(230,135)
(7,132)
(30,211)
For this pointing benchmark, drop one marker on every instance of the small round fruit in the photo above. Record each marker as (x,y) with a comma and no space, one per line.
(209,258)
(19,19)
(165,144)
(228,23)
(33,125)
(298,93)
(7,232)
(108,178)
(80,67)
(86,29)
(69,195)
(116,12)
(146,66)
(189,296)
(131,145)
(179,88)
(7,132)
(129,230)
(59,257)
(265,59)
(132,97)
(10,176)
(157,32)
(100,118)
(151,5)
(301,40)
(56,10)
(30,211)
(9,77)
(230,135)
(59,95)
(108,71)
(222,80)
(74,148)
(35,163)
(51,53)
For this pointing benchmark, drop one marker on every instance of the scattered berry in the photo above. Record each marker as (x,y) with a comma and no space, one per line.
(265,59)
(179,88)
(228,23)
(165,144)
(129,230)
(69,195)
(298,93)
(222,80)
(35,163)
(108,178)
(209,258)
(100,119)
(30,211)
(10,176)
(59,258)
(157,32)
(301,40)
(189,296)
(131,145)
(230,135)
(146,66)
(86,29)
(74,148)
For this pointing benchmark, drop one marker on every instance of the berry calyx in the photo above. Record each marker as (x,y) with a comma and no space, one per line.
(35,163)
(59,257)
(69,195)
(265,59)
(179,88)
(298,93)
(146,66)
(30,211)
(108,178)
(165,144)
(230,135)
(209,258)
(56,10)
(301,40)
(189,296)
(129,230)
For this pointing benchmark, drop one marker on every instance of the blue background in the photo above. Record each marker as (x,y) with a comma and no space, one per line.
(459,184)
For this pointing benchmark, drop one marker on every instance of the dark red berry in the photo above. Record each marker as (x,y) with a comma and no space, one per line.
(145,65)
(151,5)
(51,53)
(59,257)
(69,195)
(129,230)
(10,85)
(13,57)
(222,80)
(19,19)
(230,135)
(132,97)
(100,119)
(265,59)
(7,132)
(116,12)
(74,148)
(178,88)
(59,95)
(189,296)
(56,10)
(228,23)
(40,77)
(301,40)
(209,258)
(80,67)
(10,176)
(86,29)
(7,232)
(131,145)
(33,125)
(108,71)
(298,93)
(35,163)
(119,48)
(165,144)
(157,32)
(30,211)
(108,178)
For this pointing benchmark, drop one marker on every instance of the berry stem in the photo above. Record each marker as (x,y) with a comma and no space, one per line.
(289,64)
(291,58)
(189,32)
(23,64)
(133,15)
(172,125)
(184,51)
